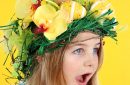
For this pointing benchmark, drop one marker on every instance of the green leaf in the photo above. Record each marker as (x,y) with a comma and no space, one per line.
(16,65)
(15,74)
(41,50)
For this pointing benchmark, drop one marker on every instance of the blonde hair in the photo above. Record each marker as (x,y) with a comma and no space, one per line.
(50,70)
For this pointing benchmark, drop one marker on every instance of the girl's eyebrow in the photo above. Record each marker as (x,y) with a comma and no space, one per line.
(97,45)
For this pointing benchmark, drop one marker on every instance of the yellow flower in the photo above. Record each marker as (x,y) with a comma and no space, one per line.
(44,15)
(23,8)
(72,10)
(56,28)
(101,6)
(52,22)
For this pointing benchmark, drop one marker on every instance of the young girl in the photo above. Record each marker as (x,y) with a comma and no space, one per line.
(76,63)
(59,42)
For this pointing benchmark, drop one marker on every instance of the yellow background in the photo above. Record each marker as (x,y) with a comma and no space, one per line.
(116,66)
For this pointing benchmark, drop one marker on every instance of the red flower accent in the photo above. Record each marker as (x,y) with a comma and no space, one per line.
(35,6)
(40,29)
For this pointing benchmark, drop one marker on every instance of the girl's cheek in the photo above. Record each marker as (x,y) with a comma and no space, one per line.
(70,64)
(69,70)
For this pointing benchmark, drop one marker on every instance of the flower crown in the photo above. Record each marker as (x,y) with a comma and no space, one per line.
(39,24)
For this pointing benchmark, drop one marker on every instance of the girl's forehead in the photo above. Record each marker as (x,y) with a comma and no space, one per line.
(86,36)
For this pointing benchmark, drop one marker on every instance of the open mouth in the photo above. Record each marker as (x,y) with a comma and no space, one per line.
(82,79)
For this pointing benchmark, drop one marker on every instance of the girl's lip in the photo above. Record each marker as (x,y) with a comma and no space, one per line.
(81,81)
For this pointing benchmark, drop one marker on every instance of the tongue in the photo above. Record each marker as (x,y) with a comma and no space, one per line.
(80,79)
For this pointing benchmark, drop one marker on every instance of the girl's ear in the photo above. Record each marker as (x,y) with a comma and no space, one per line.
(39,59)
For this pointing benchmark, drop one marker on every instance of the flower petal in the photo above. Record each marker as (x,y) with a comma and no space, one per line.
(23,8)
(44,14)
(56,28)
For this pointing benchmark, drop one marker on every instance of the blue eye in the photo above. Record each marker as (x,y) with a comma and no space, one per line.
(78,51)
(95,50)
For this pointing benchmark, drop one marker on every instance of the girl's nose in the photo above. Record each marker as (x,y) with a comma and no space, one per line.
(89,60)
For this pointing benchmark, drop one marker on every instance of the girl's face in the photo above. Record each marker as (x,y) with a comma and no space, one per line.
(81,59)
